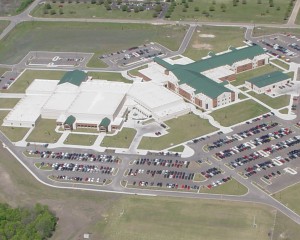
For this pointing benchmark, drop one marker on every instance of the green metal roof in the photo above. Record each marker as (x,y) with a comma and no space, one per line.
(268,79)
(70,120)
(105,122)
(75,77)
(191,73)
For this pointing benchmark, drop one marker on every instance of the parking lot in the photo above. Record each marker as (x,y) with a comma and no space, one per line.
(56,59)
(284,46)
(127,57)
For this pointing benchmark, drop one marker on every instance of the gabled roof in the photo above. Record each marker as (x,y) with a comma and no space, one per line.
(70,120)
(105,122)
(268,79)
(75,77)
(191,73)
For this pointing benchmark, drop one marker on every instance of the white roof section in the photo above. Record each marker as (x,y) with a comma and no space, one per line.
(183,60)
(60,101)
(67,88)
(157,74)
(242,63)
(105,86)
(39,86)
(28,109)
(95,103)
(151,95)
(217,73)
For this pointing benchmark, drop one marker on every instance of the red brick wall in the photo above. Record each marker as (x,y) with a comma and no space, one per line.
(232,97)
(244,68)
(145,78)
(171,86)
(261,62)
(198,102)
(228,78)
(215,102)
(167,72)
(184,94)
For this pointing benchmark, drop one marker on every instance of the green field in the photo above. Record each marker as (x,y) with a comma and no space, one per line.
(251,12)
(290,197)
(179,148)
(182,129)
(44,132)
(278,102)
(238,112)
(72,36)
(8,102)
(122,139)
(284,111)
(233,187)
(80,139)
(14,134)
(109,76)
(27,77)
(115,216)
(88,10)
(3,24)
(281,64)
(242,77)
(208,38)
(242,96)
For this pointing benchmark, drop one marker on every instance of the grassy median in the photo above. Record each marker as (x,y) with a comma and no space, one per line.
(122,139)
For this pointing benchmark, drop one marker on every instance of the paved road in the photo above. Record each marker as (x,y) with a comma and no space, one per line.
(254,194)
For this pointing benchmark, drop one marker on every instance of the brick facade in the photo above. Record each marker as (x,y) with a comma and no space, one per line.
(198,102)
(244,67)
(228,78)
(171,86)
(261,62)
(185,94)
(232,97)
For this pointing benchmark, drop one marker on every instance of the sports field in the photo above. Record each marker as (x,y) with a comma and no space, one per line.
(209,38)
(182,129)
(27,77)
(115,216)
(72,36)
(225,11)
(238,112)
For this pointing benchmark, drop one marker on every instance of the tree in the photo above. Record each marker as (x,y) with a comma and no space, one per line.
(223,7)
(259,2)
(278,8)
(154,15)
(211,8)
(234,3)
(184,9)
(124,8)
(186,5)
(196,9)
(214,2)
(244,2)
(158,8)
(100,2)
(136,9)
(61,11)
(119,2)
(52,12)
(93,1)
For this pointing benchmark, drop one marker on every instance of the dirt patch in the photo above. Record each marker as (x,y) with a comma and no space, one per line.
(202,46)
(207,36)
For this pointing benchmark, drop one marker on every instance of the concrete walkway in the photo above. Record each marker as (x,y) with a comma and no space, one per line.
(294,13)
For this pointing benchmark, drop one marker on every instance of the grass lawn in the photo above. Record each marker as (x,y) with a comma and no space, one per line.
(8,8)
(141,218)
(290,197)
(281,64)
(3,70)
(88,10)
(179,148)
(199,178)
(251,12)
(80,139)
(284,111)
(260,31)
(8,102)
(44,167)
(135,71)
(72,36)
(122,139)
(27,77)
(3,24)
(181,129)
(278,102)
(238,112)
(233,187)
(44,132)
(109,76)
(14,134)
(242,96)
(242,77)
(208,38)
(115,216)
